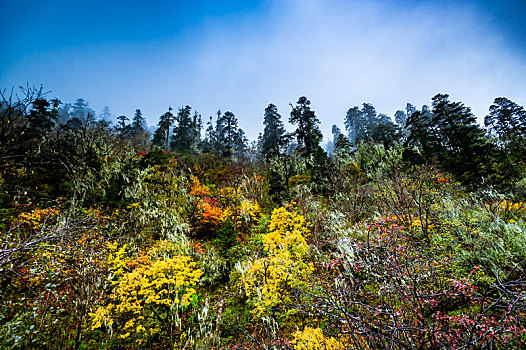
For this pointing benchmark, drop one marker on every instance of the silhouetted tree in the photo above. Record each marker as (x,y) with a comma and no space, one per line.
(507,121)
(272,138)
(307,133)
(41,118)
(138,125)
(230,139)
(123,128)
(162,134)
(182,131)
(84,115)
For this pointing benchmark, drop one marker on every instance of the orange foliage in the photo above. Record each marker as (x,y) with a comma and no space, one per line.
(211,213)
(198,189)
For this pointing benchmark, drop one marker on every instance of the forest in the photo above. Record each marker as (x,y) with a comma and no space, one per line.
(399,233)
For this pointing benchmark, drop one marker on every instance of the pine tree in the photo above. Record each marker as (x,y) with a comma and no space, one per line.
(210,140)
(162,134)
(507,121)
(41,119)
(357,124)
(456,125)
(227,133)
(462,145)
(195,133)
(307,133)
(122,127)
(421,133)
(272,138)
(182,131)
(384,131)
(138,125)
(84,115)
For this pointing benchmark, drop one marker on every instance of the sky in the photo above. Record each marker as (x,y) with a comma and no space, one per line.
(242,55)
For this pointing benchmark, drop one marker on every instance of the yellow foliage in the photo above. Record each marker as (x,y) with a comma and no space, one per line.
(229,196)
(163,183)
(313,339)
(506,206)
(508,210)
(157,287)
(36,218)
(249,212)
(251,208)
(269,280)
(288,230)
(117,260)
(102,317)
(134,206)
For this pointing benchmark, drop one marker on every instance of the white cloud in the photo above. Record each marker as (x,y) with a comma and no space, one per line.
(341,54)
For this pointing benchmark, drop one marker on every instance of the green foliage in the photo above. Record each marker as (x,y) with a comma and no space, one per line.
(507,121)
(479,239)
(272,139)
(308,133)
(186,132)
(366,126)
(225,237)
(374,160)
(162,133)
(109,244)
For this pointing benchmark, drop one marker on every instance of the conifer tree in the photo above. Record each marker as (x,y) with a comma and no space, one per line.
(210,140)
(182,131)
(162,134)
(230,139)
(356,125)
(507,121)
(122,127)
(272,138)
(307,133)
(138,125)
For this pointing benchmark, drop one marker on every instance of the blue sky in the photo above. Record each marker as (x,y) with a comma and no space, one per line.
(243,55)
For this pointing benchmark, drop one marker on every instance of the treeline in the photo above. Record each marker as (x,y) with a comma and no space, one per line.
(37,131)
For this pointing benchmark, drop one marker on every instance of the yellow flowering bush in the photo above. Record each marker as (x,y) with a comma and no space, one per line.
(151,297)
(117,260)
(269,280)
(287,232)
(313,339)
